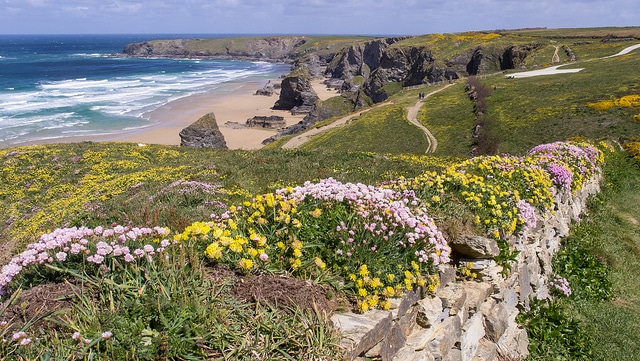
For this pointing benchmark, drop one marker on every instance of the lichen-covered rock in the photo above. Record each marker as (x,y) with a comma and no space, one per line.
(203,133)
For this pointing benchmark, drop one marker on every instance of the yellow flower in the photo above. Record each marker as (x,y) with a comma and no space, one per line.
(362,307)
(297,253)
(318,261)
(280,245)
(295,263)
(316,213)
(235,246)
(297,244)
(415,265)
(375,283)
(296,223)
(213,251)
(373,301)
(352,277)
(245,264)
(363,270)
(362,292)
(385,305)
(388,292)
(252,252)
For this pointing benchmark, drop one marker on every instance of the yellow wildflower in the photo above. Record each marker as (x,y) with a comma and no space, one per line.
(245,264)
(318,261)
(213,251)
(363,270)
(316,213)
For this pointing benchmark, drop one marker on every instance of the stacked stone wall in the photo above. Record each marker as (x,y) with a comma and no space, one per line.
(469,319)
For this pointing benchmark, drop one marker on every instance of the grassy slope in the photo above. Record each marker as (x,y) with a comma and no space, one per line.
(119,178)
(612,232)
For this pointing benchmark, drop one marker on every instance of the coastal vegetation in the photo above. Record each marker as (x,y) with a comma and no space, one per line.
(152,248)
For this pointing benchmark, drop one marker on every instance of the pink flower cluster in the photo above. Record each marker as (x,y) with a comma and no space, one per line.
(528,213)
(561,284)
(384,213)
(564,161)
(94,244)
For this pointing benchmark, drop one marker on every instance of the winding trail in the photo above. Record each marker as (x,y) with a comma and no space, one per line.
(302,138)
(412,115)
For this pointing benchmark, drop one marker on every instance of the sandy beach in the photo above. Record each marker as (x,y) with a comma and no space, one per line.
(234,107)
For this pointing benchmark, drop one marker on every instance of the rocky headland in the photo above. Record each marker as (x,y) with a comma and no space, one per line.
(364,70)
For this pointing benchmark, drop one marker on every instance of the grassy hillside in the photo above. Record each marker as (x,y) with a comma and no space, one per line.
(184,298)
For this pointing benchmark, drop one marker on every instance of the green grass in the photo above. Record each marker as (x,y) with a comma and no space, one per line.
(542,109)
(382,130)
(612,233)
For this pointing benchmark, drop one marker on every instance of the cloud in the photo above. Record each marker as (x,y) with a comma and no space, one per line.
(310,16)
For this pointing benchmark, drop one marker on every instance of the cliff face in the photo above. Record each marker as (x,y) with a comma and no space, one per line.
(380,64)
(274,48)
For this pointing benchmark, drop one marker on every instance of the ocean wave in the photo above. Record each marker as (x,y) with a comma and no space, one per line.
(97,105)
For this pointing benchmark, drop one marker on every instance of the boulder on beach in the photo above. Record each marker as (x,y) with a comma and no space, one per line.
(203,133)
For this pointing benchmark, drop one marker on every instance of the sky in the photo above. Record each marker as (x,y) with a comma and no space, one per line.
(307,17)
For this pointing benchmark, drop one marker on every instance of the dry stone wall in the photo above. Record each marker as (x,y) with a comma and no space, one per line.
(469,319)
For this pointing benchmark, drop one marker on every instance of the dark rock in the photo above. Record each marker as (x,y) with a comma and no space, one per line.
(269,122)
(296,92)
(203,133)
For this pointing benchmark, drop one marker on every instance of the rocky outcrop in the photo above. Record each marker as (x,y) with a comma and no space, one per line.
(407,66)
(296,93)
(203,133)
(273,48)
(346,103)
(267,122)
(359,59)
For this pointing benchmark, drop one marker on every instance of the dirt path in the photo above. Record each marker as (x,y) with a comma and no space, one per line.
(412,115)
(555,58)
(302,138)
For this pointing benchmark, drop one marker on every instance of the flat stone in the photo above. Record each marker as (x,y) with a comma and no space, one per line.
(429,311)
(447,334)
(447,274)
(524,281)
(470,340)
(495,321)
(514,345)
(408,354)
(394,341)
(453,355)
(477,292)
(487,351)
(453,296)
(410,299)
(472,246)
(362,332)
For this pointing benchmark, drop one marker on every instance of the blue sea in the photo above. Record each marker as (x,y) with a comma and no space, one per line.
(60,86)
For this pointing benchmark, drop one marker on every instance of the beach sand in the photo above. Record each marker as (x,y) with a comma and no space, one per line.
(234,107)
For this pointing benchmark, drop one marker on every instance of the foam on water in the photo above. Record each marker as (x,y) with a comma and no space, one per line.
(89,93)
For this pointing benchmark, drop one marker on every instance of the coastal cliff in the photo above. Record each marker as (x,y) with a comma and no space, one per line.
(275,48)
(365,70)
